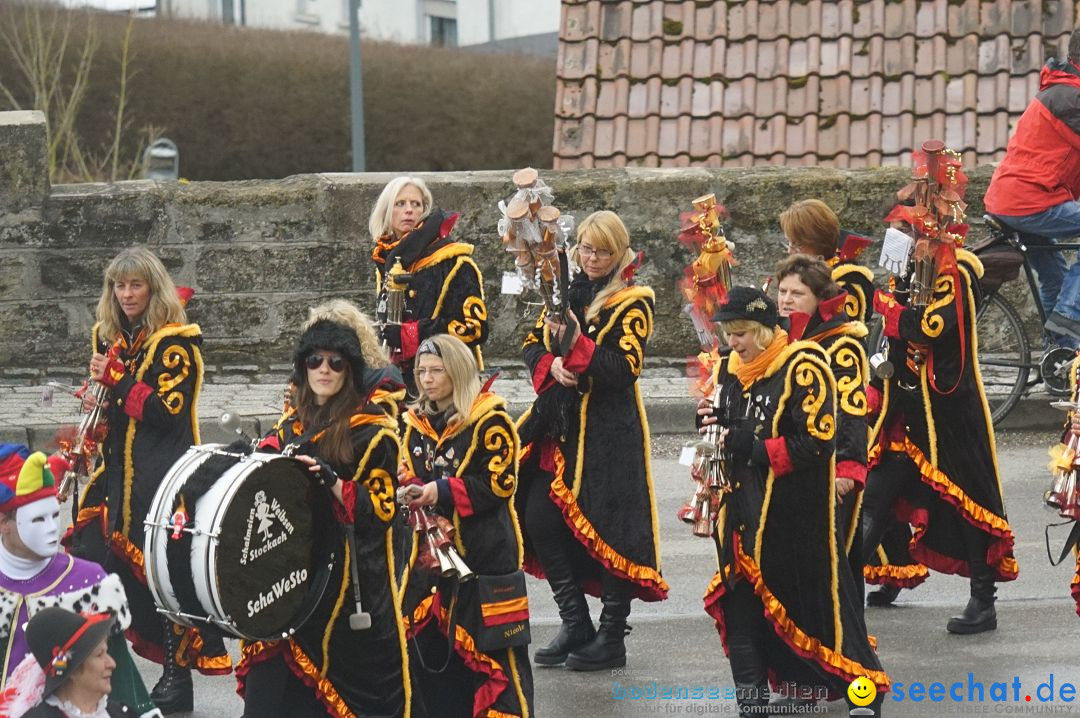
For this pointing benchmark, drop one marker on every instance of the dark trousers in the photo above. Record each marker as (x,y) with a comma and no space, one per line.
(548,534)
(272,690)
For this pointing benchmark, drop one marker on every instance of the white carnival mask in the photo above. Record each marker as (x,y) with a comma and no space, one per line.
(38,524)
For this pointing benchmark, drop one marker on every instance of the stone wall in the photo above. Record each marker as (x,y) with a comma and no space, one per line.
(259,253)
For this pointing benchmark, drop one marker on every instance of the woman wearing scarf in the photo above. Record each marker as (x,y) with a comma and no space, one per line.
(586,494)
(461,459)
(783,600)
(813,306)
(445,292)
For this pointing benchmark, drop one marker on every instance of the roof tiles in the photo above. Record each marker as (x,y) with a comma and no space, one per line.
(846,83)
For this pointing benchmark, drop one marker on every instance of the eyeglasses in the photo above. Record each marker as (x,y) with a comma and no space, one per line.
(314,361)
(586,251)
(434,371)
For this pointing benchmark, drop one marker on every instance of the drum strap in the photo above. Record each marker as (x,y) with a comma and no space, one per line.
(451,629)
(1070,543)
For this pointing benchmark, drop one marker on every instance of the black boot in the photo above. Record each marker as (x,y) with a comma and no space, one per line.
(608,648)
(883,596)
(748,675)
(173,692)
(979,615)
(577,626)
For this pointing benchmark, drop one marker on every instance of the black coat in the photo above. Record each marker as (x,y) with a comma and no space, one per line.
(776,529)
(362,672)
(598,436)
(935,413)
(43,710)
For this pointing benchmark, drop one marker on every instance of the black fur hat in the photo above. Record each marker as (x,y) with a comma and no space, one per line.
(325,334)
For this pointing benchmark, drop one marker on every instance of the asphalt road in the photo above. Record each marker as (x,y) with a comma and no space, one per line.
(675,644)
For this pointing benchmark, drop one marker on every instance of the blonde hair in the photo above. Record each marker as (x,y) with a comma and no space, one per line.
(460,365)
(812,225)
(763,335)
(164,306)
(344,312)
(605,231)
(382,214)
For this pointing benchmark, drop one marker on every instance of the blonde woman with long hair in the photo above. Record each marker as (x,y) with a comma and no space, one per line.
(150,360)
(461,460)
(445,294)
(586,475)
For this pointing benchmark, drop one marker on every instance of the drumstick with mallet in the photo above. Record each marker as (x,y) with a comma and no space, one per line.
(359,621)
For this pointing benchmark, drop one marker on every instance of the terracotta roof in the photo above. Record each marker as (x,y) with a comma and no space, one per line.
(795,82)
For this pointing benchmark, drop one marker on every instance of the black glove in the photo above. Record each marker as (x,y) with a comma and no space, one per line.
(391,334)
(326,474)
(740,442)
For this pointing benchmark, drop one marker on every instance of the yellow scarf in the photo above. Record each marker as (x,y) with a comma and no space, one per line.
(753,370)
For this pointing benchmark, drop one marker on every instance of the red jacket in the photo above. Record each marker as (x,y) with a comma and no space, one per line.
(1041,168)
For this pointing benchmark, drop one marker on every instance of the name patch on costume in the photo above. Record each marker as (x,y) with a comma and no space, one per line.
(278,589)
(266,513)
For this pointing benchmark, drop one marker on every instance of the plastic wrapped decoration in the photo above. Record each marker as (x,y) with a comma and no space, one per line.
(537,234)
(932,204)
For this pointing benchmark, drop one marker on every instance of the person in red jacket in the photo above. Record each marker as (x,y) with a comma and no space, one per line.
(1035,187)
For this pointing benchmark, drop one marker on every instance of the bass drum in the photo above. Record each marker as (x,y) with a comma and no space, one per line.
(241,543)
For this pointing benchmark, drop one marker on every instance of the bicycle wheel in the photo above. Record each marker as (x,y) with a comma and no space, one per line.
(1004,355)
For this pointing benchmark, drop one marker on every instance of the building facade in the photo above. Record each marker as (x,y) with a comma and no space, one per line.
(428,22)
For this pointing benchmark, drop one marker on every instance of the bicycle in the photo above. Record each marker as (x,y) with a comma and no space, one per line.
(1004,350)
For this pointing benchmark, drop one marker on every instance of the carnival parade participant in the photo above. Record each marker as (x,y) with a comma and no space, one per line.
(586,494)
(150,360)
(461,459)
(350,445)
(813,305)
(68,672)
(445,291)
(783,600)
(811,227)
(933,462)
(35,574)
(1064,494)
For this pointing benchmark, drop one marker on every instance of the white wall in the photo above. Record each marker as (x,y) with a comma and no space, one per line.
(394,20)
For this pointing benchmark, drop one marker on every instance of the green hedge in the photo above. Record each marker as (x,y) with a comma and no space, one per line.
(244,104)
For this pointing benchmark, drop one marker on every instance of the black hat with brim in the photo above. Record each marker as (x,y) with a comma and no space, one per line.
(750,304)
(62,640)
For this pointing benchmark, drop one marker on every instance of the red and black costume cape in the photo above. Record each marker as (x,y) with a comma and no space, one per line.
(941,421)
(594,442)
(353,673)
(776,530)
(475,463)
(854,278)
(446,294)
(152,421)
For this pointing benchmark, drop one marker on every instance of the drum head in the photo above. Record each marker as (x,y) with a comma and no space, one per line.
(273,540)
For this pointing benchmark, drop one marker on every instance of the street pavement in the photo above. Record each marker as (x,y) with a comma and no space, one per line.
(675,644)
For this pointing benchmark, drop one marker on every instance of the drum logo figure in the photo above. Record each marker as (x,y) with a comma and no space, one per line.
(265,512)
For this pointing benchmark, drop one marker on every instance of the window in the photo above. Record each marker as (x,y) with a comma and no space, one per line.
(443,31)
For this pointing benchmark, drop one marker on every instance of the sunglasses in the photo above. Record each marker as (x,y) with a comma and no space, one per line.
(314,361)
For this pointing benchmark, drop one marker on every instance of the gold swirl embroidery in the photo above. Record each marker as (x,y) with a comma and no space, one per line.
(475,313)
(852,306)
(538,331)
(635,326)
(498,440)
(819,425)
(850,387)
(932,322)
(381,487)
(177,358)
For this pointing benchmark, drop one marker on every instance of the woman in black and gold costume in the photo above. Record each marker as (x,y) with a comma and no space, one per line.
(150,359)
(587,497)
(461,457)
(445,294)
(351,446)
(932,456)
(783,599)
